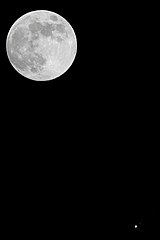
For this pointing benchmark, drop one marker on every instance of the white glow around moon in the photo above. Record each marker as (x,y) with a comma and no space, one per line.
(59,56)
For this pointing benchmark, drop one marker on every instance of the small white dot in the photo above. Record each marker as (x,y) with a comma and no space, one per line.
(135,226)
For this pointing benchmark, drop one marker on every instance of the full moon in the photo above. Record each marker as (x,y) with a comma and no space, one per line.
(41,45)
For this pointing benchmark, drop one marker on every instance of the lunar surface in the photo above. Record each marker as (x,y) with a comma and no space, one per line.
(41,45)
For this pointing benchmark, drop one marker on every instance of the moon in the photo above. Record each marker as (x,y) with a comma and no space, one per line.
(58,55)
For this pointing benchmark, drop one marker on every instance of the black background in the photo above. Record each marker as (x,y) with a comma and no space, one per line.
(73,108)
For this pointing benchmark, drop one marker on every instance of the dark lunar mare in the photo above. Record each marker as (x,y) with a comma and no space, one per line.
(46,28)
(54,18)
